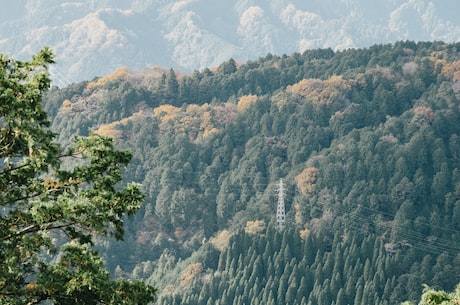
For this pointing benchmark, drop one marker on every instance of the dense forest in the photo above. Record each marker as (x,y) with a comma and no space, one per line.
(366,142)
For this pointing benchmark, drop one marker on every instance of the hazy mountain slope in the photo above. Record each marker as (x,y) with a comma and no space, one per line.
(92,38)
(366,142)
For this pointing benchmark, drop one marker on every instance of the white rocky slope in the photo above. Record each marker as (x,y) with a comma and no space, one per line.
(93,37)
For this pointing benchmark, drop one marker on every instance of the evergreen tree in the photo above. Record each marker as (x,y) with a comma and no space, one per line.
(40,198)
(172,88)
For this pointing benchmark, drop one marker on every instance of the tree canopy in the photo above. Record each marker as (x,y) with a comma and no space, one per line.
(54,202)
(366,142)
(432,296)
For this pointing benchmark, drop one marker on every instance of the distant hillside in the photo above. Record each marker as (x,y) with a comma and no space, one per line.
(92,38)
(365,140)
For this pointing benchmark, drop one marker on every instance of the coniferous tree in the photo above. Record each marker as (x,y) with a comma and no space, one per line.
(50,214)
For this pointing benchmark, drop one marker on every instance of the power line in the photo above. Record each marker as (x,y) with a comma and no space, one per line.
(406,237)
(60,78)
(424,224)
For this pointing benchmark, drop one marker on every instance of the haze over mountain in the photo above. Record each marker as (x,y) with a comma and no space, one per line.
(92,38)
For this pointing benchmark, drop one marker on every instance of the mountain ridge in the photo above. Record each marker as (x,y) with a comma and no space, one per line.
(93,38)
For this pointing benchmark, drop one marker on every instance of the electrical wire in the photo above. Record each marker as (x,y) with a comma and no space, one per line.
(59,77)
(406,237)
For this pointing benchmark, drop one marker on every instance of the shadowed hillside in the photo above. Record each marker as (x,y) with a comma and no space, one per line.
(365,140)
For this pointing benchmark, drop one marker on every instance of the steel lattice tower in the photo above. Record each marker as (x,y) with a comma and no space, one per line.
(280,210)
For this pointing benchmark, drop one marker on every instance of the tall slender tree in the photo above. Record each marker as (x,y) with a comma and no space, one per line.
(50,214)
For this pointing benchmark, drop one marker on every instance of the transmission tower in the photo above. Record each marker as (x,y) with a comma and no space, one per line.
(280,210)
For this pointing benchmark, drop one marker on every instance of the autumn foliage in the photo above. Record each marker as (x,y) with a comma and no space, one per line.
(306,180)
(119,74)
(197,121)
(190,273)
(322,91)
(452,70)
(246,101)
(254,227)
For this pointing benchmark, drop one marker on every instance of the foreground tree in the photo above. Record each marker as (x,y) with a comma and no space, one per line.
(431,296)
(53,203)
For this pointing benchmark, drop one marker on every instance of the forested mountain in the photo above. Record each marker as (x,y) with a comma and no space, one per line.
(93,37)
(365,140)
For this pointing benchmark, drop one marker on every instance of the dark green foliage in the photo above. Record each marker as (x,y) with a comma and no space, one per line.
(437,297)
(283,277)
(53,204)
(380,218)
